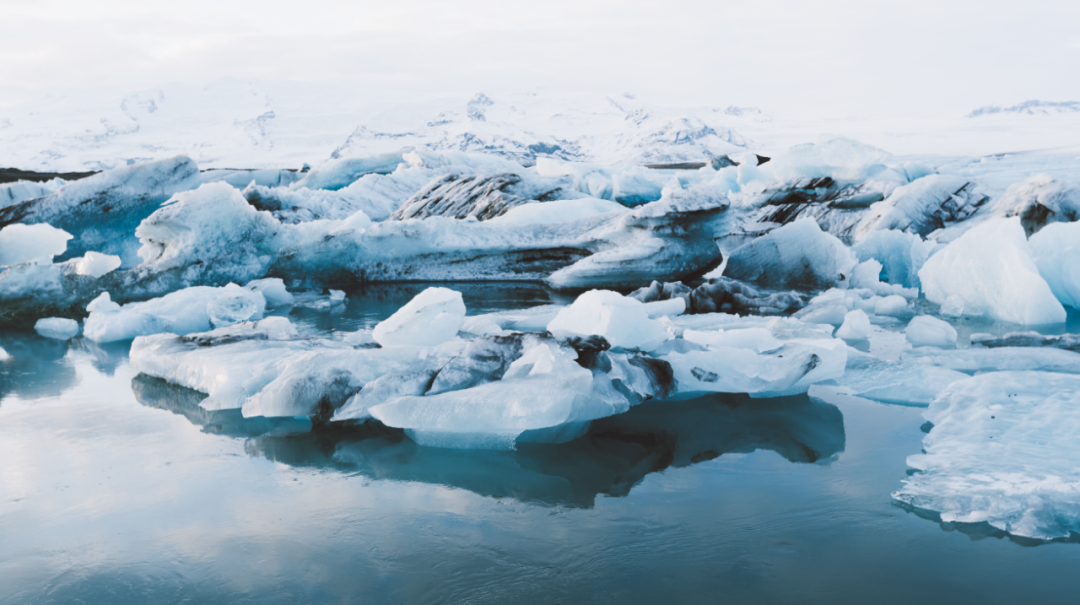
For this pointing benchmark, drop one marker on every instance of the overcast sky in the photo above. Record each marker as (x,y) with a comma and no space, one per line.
(826,58)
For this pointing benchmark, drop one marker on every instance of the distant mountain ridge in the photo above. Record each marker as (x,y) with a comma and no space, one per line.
(1031,108)
(236,123)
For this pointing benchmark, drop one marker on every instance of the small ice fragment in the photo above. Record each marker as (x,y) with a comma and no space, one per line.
(23,243)
(623,322)
(59,328)
(273,290)
(926,331)
(96,264)
(990,271)
(891,306)
(856,326)
(234,307)
(432,317)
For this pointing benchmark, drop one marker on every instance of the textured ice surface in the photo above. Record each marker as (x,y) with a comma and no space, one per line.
(432,317)
(339,173)
(856,326)
(923,206)
(96,264)
(102,210)
(543,388)
(59,328)
(977,359)
(799,255)
(789,369)
(273,290)
(559,211)
(927,331)
(1003,451)
(622,321)
(989,271)
(896,382)
(901,255)
(1056,250)
(195,309)
(24,243)
(1038,201)
(13,193)
(265,368)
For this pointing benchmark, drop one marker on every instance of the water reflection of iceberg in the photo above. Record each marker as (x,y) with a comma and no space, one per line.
(38,367)
(156,393)
(613,457)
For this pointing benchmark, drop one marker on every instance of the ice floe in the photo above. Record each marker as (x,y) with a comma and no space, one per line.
(1002,451)
(989,271)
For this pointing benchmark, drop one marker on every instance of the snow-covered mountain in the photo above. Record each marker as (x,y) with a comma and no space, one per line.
(1030,108)
(232,123)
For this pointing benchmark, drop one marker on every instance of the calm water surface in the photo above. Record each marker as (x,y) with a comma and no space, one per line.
(118,488)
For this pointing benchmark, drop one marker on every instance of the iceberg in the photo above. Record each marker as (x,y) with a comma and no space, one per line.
(102,210)
(799,255)
(989,271)
(901,255)
(923,206)
(926,331)
(195,309)
(1056,251)
(1002,451)
(856,326)
(339,173)
(432,317)
(1039,201)
(58,328)
(622,321)
(28,243)
(265,368)
(898,382)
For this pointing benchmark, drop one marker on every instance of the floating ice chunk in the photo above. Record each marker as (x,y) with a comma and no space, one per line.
(544,388)
(1070,342)
(430,318)
(265,369)
(901,255)
(833,314)
(977,359)
(59,328)
(273,290)
(101,210)
(624,322)
(798,255)
(665,308)
(838,158)
(96,264)
(989,271)
(194,309)
(1038,201)
(24,243)
(856,326)
(926,204)
(4,355)
(210,235)
(866,276)
(759,340)
(338,173)
(19,191)
(1002,451)
(558,211)
(634,186)
(895,382)
(926,331)
(1056,251)
(789,370)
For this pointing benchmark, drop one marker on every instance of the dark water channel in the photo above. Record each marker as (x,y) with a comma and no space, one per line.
(118,488)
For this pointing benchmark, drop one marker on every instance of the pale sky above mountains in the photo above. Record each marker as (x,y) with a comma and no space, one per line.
(831,58)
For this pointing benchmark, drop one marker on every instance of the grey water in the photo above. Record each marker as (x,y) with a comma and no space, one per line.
(118,488)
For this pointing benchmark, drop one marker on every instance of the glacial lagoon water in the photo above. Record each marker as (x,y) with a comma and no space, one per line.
(118,488)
